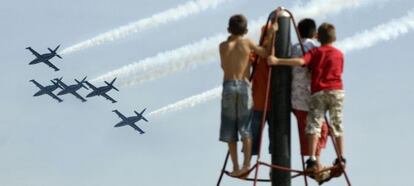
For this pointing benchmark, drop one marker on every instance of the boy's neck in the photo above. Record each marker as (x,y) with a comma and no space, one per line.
(304,38)
(327,44)
(234,37)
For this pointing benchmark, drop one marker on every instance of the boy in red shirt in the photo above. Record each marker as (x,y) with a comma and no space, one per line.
(326,66)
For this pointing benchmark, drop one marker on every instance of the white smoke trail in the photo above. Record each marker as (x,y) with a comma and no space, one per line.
(366,39)
(322,8)
(205,51)
(383,32)
(189,56)
(168,62)
(189,102)
(165,62)
(170,15)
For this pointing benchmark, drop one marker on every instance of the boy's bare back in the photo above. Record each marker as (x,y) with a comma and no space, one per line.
(234,55)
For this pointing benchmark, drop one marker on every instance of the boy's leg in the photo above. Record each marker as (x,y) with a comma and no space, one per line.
(336,115)
(340,145)
(228,127)
(301,120)
(247,145)
(312,144)
(234,158)
(244,114)
(326,175)
(255,127)
(315,120)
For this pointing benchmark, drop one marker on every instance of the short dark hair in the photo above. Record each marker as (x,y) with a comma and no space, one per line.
(307,28)
(326,33)
(237,25)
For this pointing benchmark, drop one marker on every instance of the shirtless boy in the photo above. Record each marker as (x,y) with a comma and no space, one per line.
(236,103)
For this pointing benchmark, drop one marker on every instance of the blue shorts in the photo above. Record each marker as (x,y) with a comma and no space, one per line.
(236,110)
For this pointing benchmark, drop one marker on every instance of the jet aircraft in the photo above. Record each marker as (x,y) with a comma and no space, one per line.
(72,88)
(131,120)
(47,89)
(44,58)
(101,91)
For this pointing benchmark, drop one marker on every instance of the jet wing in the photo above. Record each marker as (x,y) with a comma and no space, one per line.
(108,97)
(48,63)
(137,128)
(78,96)
(34,52)
(54,96)
(119,114)
(91,86)
(36,83)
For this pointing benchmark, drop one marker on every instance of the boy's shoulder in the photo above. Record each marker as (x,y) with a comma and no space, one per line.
(243,41)
(332,50)
(223,44)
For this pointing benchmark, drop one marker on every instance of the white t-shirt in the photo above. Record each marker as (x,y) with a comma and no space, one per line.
(301,78)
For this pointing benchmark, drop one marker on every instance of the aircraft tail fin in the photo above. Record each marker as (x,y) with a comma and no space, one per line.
(81,83)
(56,82)
(54,52)
(141,114)
(58,79)
(111,84)
(56,48)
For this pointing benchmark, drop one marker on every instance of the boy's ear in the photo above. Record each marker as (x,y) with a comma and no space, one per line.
(247,30)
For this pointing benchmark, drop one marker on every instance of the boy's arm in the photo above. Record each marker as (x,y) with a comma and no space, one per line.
(261,51)
(264,51)
(221,48)
(272,60)
(269,35)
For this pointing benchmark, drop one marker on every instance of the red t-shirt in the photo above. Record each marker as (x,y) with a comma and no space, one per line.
(259,82)
(326,64)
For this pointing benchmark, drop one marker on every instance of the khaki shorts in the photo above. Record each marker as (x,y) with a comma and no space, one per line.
(326,101)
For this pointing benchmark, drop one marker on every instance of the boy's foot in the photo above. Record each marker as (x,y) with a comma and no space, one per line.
(311,167)
(323,177)
(235,173)
(244,172)
(340,166)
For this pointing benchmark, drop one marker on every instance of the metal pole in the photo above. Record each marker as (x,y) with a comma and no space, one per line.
(281,105)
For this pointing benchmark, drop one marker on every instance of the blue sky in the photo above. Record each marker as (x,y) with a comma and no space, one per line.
(44,143)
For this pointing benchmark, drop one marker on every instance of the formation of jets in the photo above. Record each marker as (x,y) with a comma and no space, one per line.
(72,89)
(57,83)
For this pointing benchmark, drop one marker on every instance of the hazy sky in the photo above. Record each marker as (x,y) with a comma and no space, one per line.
(44,143)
